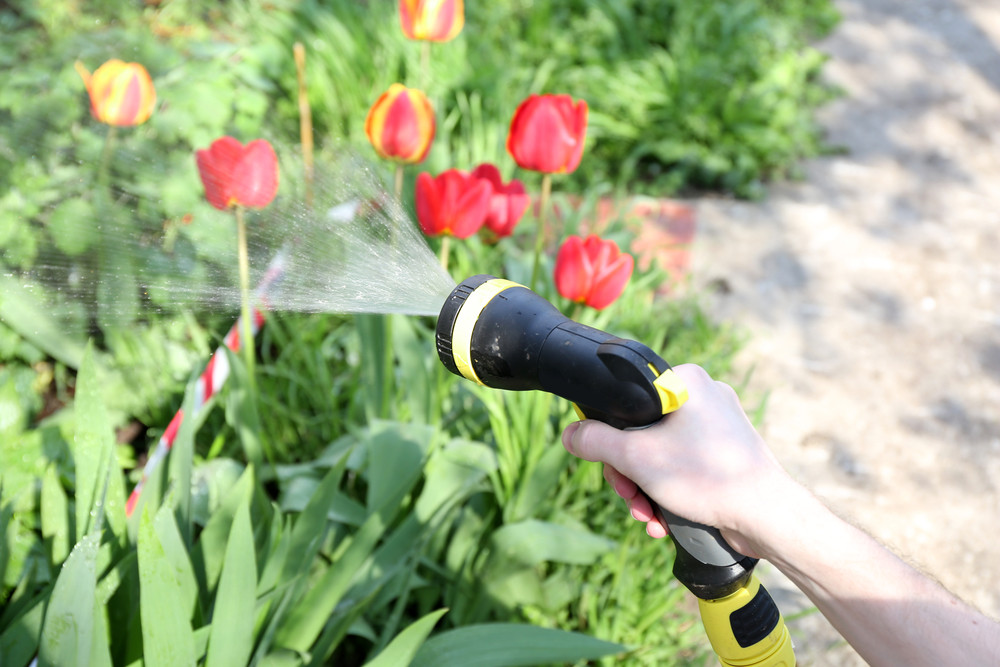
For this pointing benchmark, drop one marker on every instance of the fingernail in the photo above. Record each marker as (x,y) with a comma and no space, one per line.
(567,437)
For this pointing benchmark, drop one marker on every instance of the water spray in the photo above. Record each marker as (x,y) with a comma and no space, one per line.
(500,334)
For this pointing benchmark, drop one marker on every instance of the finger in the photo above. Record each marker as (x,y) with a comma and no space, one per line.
(593,441)
(641,508)
(656,530)
(622,485)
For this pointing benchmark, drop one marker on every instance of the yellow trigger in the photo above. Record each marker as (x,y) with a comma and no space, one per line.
(673,392)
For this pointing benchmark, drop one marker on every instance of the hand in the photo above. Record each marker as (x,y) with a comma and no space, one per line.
(704,462)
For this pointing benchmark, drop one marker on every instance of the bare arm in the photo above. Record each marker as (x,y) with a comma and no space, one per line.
(708,464)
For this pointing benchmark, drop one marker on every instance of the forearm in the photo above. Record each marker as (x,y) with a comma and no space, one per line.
(888,611)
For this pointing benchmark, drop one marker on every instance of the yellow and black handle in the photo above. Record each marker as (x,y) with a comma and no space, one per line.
(501,334)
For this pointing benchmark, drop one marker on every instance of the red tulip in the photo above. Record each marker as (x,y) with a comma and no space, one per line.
(547,133)
(238,175)
(400,125)
(454,203)
(121,93)
(507,202)
(433,20)
(592,271)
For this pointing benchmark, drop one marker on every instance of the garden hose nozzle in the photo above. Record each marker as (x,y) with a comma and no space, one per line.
(501,334)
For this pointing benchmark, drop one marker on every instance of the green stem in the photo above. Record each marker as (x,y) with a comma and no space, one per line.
(246,335)
(445,249)
(425,64)
(399,183)
(543,206)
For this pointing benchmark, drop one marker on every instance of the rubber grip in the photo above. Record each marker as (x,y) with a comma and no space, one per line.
(704,543)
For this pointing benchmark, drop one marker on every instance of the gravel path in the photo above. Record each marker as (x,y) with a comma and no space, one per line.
(871,291)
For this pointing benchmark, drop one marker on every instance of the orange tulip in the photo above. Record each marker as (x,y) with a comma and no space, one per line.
(121,93)
(401,125)
(238,175)
(433,20)
(547,133)
(453,204)
(592,271)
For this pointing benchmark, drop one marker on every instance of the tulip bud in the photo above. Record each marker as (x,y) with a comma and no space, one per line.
(432,20)
(238,175)
(547,133)
(507,202)
(592,271)
(121,94)
(400,125)
(455,203)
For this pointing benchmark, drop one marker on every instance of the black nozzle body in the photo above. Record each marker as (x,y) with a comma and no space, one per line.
(520,341)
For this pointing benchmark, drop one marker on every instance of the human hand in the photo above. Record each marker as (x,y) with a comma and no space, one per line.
(704,462)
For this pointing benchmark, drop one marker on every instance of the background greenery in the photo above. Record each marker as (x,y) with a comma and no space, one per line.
(393,499)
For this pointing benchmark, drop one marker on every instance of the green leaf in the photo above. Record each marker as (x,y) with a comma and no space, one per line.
(510,645)
(68,631)
(305,622)
(231,639)
(167,638)
(395,453)
(404,646)
(452,473)
(92,444)
(310,527)
(536,488)
(532,542)
(209,552)
(72,226)
(19,642)
(169,536)
(55,515)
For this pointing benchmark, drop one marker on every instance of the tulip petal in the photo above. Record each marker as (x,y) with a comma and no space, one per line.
(610,282)
(573,271)
(547,133)
(472,207)
(428,204)
(216,166)
(255,176)
(400,125)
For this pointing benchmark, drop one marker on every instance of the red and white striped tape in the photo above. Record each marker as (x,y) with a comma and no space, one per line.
(212,378)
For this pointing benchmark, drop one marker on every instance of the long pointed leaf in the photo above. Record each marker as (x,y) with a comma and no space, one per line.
(166,629)
(404,646)
(231,637)
(509,645)
(68,630)
(92,444)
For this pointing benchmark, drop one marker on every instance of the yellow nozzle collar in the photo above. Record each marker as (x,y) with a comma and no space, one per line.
(673,392)
(465,322)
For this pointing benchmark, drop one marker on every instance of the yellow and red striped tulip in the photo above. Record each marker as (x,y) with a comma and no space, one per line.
(121,94)
(400,125)
(432,20)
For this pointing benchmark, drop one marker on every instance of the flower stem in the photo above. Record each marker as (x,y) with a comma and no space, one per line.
(246,335)
(445,249)
(543,206)
(305,120)
(399,182)
(425,64)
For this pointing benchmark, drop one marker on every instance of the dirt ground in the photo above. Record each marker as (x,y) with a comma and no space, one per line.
(871,291)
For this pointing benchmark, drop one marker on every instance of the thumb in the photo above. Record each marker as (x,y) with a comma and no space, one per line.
(592,440)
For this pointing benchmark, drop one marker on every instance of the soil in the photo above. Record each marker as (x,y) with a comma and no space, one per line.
(871,294)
